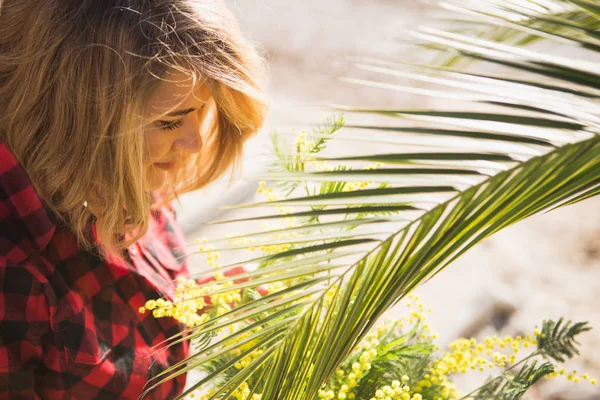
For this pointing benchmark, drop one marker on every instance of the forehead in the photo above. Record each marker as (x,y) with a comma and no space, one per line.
(178,91)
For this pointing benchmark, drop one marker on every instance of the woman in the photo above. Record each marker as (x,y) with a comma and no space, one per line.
(108,110)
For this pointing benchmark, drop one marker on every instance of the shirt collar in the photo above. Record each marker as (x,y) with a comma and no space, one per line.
(26,222)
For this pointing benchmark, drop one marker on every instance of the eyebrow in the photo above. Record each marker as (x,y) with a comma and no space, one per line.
(180,113)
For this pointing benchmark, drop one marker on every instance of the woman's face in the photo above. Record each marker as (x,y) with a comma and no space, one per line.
(179,113)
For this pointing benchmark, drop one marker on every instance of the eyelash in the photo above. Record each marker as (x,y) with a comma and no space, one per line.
(171,125)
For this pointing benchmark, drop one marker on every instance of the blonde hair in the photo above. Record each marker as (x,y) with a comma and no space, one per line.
(75,80)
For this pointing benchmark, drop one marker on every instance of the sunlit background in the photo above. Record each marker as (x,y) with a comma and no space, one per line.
(545,267)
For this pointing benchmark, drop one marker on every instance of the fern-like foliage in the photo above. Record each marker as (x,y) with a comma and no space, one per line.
(558,339)
(292,157)
(527,376)
(513,387)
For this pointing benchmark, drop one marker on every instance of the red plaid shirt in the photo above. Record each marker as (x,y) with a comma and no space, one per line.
(69,321)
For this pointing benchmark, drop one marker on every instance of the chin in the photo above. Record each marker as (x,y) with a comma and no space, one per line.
(157,179)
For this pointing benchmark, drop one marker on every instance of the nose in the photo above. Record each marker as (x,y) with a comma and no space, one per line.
(191,141)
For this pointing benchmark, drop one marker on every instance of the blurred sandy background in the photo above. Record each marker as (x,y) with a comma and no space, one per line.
(545,267)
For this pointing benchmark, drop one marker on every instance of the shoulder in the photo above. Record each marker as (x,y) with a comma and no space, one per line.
(24,275)
(26,223)
(26,301)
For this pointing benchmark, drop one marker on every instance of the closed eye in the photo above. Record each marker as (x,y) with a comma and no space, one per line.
(170,125)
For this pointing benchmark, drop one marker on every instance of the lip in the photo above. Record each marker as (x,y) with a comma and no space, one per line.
(166,166)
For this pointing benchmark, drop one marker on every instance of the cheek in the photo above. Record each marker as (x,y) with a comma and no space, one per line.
(157,145)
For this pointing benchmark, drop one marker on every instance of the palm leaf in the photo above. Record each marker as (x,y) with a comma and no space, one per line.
(453,178)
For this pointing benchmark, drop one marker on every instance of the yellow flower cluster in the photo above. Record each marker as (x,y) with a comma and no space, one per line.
(249,243)
(573,377)
(212,256)
(349,186)
(464,355)
(417,313)
(243,393)
(220,301)
(269,193)
(205,396)
(272,196)
(275,248)
(223,301)
(188,305)
(397,391)
(329,294)
(353,186)
(274,287)
(189,297)
(244,362)
(302,144)
(469,354)
(367,351)
(359,369)
(188,301)
(241,240)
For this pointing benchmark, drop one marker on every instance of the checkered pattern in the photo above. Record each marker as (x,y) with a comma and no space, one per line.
(69,325)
